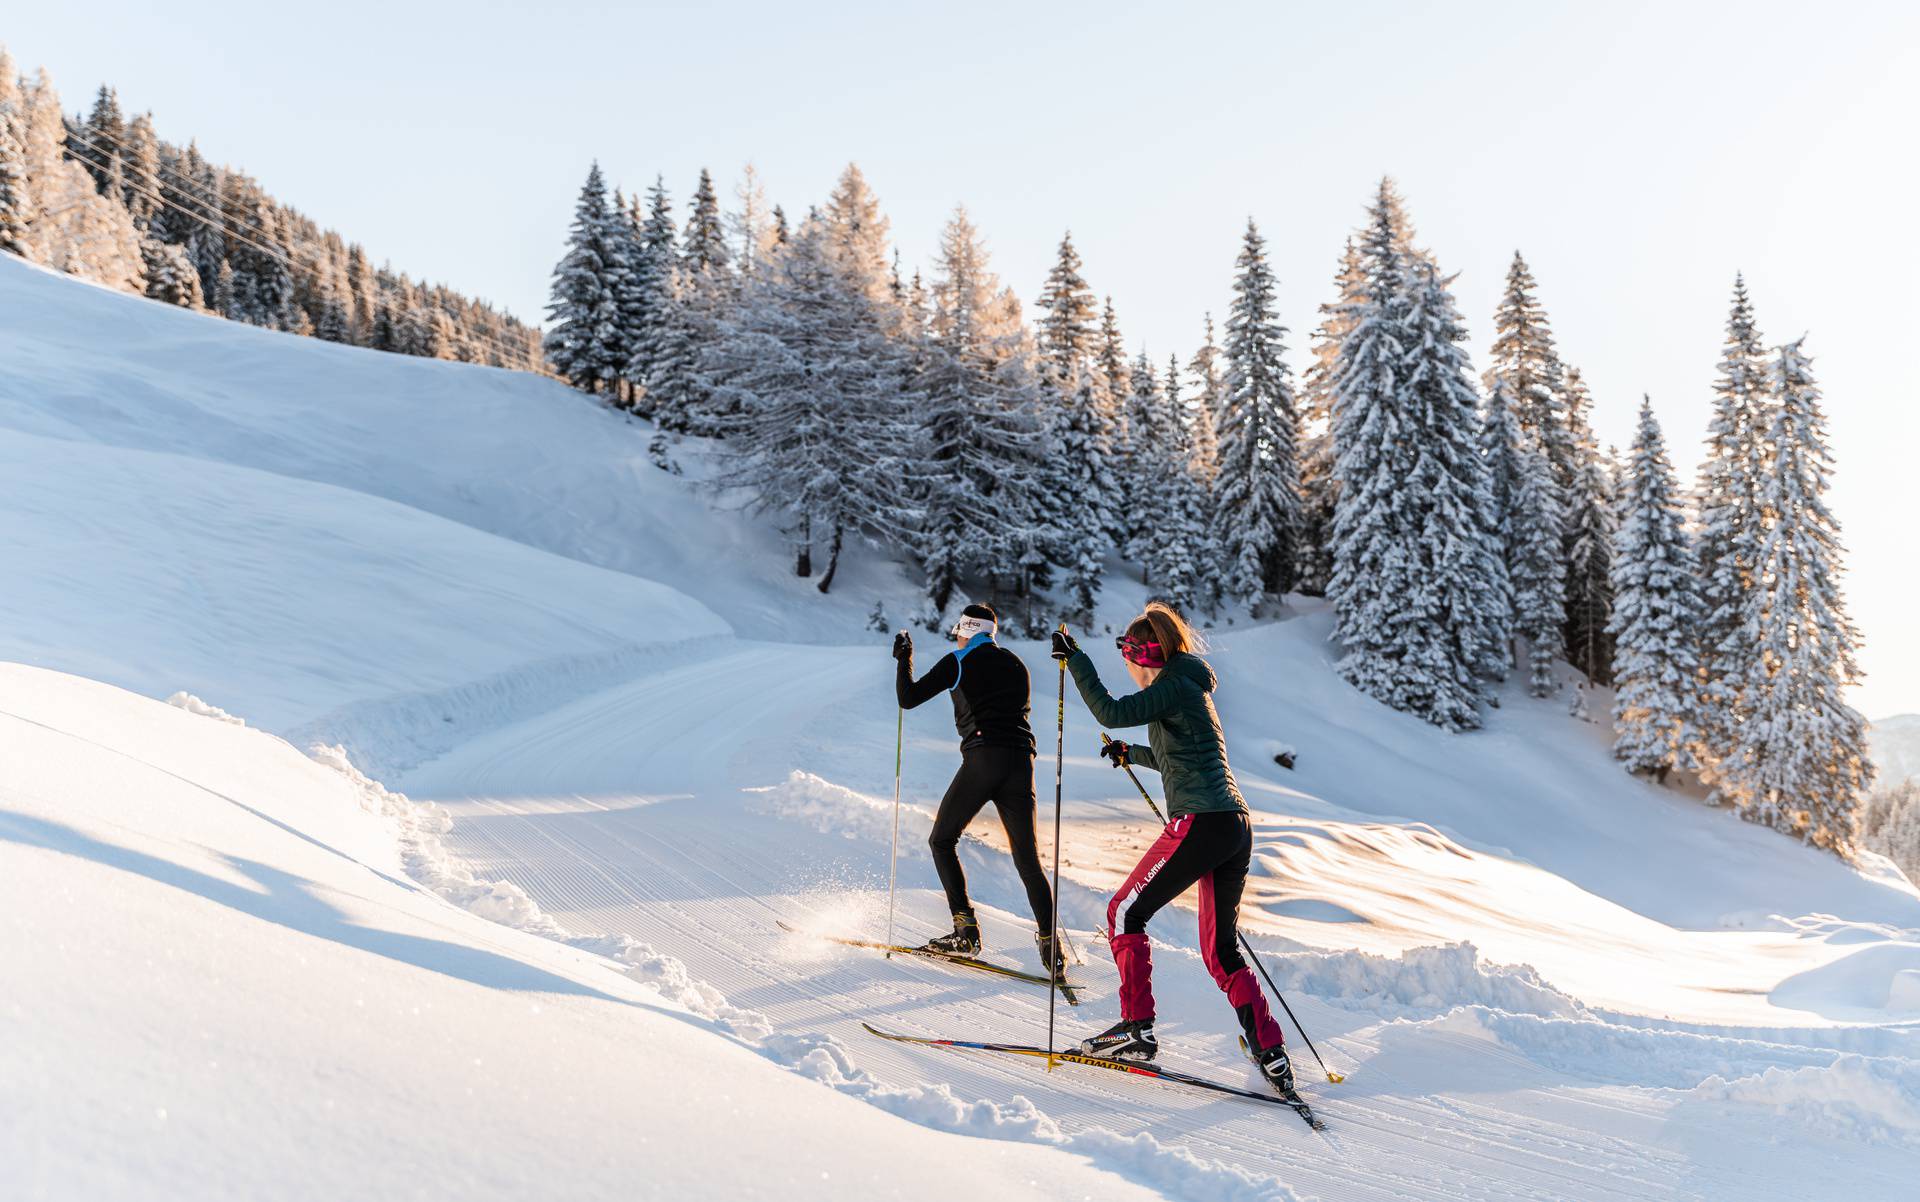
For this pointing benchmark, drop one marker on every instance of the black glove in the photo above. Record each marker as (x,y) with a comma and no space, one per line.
(1063,645)
(903,646)
(1116,751)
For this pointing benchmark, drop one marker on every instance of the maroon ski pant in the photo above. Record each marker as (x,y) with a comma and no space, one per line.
(1214,851)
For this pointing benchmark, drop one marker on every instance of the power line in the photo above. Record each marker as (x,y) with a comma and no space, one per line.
(229,227)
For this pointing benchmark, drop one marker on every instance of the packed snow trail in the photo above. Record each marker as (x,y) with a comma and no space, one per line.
(645,810)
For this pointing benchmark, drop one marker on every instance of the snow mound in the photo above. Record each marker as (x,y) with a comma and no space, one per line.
(1856,1098)
(1878,980)
(833,809)
(1422,981)
(193,705)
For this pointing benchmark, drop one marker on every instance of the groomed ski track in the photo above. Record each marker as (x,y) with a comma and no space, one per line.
(647,810)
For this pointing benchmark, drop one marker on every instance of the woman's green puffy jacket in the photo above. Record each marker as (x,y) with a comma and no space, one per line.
(1184,743)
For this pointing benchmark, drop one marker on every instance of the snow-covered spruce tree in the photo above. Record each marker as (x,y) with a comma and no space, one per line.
(262,278)
(1802,760)
(16,198)
(657,373)
(858,236)
(1079,487)
(171,277)
(1257,491)
(1536,572)
(1523,352)
(140,173)
(1465,583)
(625,244)
(1134,460)
(1731,531)
(1589,543)
(96,143)
(704,249)
(72,228)
(1318,485)
(1173,536)
(334,324)
(1417,586)
(1077,469)
(1113,402)
(1203,410)
(751,224)
(1655,607)
(1115,378)
(222,300)
(816,409)
(977,441)
(1373,524)
(704,297)
(583,344)
(1067,329)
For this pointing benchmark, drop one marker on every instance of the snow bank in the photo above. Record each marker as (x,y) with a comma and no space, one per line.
(1878,980)
(837,810)
(1855,1098)
(1141,1157)
(1422,981)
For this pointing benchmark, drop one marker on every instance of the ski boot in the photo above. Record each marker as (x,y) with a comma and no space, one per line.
(1050,958)
(1276,1068)
(1123,1041)
(965,940)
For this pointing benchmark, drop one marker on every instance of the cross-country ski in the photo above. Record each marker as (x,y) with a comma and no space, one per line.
(1151,1072)
(1067,990)
(707,602)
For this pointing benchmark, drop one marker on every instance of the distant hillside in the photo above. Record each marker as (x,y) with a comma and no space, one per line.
(1896,747)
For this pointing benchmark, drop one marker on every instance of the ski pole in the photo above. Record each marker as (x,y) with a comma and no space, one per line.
(893,856)
(1059,769)
(1335,1078)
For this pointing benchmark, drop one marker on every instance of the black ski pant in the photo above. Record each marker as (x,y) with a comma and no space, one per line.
(1004,776)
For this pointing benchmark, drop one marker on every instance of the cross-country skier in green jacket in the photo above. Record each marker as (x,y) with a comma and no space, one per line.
(1207,841)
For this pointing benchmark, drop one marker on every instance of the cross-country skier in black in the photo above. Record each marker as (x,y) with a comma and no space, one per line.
(991,694)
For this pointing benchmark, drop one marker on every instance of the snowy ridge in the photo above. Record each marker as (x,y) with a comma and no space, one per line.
(1853,1098)
(193,705)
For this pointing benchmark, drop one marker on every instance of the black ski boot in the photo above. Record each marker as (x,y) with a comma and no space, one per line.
(1123,1041)
(965,940)
(1050,958)
(1276,1068)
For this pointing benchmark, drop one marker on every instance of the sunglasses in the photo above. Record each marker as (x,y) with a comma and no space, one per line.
(1137,651)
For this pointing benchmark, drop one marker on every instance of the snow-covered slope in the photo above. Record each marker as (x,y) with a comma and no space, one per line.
(1544,978)
(503,452)
(219,983)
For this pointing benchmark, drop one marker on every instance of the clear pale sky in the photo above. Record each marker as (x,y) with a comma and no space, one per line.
(1639,154)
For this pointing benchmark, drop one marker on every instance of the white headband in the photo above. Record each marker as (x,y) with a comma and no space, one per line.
(968,626)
